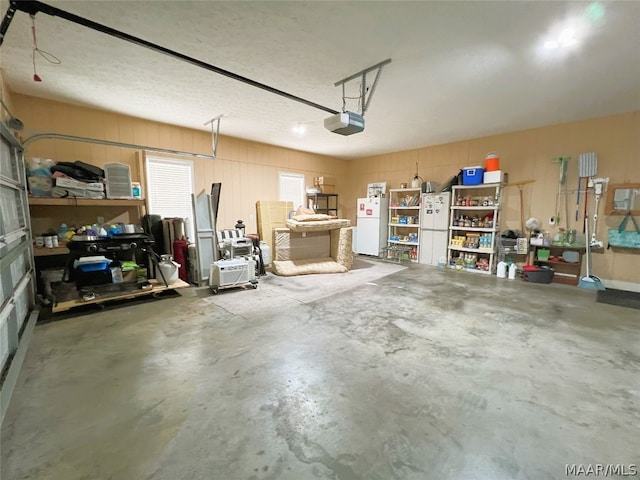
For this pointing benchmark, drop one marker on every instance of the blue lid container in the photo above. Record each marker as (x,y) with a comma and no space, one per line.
(472,175)
(93,267)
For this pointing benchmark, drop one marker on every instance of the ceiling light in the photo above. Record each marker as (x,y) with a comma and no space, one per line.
(566,38)
(299,129)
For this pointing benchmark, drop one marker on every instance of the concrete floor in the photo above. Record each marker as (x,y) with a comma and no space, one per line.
(381,373)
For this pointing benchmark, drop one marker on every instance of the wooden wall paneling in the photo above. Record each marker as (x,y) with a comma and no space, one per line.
(175,138)
(524,154)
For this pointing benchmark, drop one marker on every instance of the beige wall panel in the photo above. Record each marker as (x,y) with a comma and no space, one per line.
(524,155)
(140,133)
(442,174)
(624,266)
(633,163)
(453,154)
(153,135)
(528,155)
(6,96)
(257,154)
(125,129)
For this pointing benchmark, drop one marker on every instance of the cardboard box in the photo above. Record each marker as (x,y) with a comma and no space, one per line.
(327,188)
(324,180)
(493,177)
(270,215)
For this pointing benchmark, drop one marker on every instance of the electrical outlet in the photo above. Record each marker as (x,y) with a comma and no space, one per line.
(552,220)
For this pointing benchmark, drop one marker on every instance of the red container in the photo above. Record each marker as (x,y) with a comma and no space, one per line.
(492,162)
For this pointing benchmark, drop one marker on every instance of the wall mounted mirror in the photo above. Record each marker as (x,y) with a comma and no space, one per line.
(623,198)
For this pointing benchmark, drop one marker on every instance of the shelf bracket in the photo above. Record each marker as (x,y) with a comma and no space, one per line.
(364,99)
(215,132)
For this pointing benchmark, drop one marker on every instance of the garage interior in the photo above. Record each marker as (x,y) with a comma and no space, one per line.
(393,369)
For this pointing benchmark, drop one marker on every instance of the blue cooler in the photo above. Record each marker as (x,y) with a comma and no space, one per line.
(472,175)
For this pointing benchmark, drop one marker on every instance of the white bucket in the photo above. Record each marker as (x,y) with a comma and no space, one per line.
(502,270)
(266,253)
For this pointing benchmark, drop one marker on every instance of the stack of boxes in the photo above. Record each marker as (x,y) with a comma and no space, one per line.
(271,215)
(325,184)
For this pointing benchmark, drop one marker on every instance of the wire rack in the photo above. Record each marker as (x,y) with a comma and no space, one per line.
(506,247)
(396,253)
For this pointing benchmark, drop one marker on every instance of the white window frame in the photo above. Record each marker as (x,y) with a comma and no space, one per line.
(150,190)
(294,180)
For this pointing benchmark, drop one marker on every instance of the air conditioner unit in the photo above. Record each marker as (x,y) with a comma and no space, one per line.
(232,273)
(117,177)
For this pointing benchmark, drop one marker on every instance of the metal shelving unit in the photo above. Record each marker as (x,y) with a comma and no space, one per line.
(324,202)
(404,222)
(475,215)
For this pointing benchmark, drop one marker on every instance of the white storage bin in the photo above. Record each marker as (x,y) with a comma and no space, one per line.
(493,177)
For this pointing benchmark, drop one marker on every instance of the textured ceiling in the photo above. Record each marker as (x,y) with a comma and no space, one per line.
(459,69)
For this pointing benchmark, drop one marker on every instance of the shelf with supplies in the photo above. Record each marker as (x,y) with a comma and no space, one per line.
(404,220)
(85,202)
(566,261)
(473,227)
(478,207)
(472,250)
(326,203)
(48,213)
(47,251)
(402,242)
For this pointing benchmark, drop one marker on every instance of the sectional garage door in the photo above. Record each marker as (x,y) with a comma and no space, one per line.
(17,315)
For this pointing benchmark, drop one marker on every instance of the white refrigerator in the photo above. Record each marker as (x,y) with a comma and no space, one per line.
(373,219)
(434,227)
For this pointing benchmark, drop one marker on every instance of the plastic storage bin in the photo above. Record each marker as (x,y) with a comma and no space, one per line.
(538,274)
(40,185)
(472,175)
(93,267)
(543,254)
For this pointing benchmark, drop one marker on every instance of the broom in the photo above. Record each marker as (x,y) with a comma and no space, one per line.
(589,281)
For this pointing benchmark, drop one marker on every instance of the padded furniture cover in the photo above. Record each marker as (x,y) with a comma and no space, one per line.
(302,253)
(316,223)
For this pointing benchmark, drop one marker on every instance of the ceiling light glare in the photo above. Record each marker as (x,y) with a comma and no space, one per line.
(566,38)
(299,129)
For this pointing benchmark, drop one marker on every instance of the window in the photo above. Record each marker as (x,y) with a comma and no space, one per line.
(292,188)
(169,189)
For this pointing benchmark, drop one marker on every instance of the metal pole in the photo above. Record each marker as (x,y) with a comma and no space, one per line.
(73,138)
